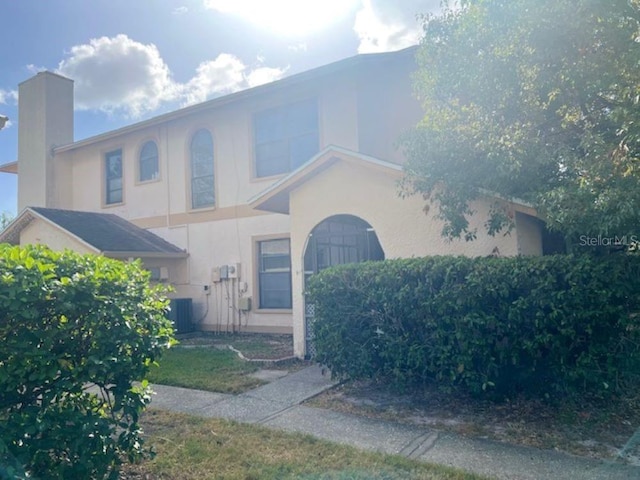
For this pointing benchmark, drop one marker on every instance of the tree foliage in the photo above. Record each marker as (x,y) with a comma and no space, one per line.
(76,331)
(536,100)
(5,219)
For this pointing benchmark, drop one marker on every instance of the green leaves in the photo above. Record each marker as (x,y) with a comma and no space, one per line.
(69,322)
(5,219)
(559,325)
(534,100)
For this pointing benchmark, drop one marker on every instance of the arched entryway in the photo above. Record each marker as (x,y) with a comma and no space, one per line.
(336,240)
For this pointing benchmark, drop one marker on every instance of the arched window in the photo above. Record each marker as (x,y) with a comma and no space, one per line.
(202,172)
(148,166)
(341,239)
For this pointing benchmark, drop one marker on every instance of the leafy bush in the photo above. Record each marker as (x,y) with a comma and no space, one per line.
(76,331)
(538,326)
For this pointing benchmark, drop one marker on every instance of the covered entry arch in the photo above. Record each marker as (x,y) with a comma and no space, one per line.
(339,183)
(337,240)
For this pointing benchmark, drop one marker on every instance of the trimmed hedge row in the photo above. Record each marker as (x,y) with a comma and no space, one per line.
(538,326)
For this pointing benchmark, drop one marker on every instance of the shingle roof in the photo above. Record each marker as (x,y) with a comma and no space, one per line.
(108,232)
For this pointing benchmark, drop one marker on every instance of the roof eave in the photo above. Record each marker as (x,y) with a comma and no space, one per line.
(315,73)
(518,204)
(123,254)
(11,167)
(11,234)
(28,215)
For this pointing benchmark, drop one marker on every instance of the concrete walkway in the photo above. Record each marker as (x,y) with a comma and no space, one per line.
(278,405)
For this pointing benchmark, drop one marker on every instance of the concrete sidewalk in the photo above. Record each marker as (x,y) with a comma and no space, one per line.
(278,405)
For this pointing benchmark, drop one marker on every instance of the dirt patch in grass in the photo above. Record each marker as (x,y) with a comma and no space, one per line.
(190,447)
(589,428)
(252,345)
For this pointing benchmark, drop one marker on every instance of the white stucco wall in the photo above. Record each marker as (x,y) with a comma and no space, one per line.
(358,110)
(226,242)
(387,107)
(177,269)
(231,128)
(401,225)
(41,232)
(226,234)
(529,233)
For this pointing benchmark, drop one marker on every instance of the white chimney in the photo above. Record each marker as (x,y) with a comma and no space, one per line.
(45,120)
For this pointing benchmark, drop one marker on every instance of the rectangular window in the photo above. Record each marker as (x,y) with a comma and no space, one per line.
(274,270)
(202,170)
(285,137)
(113,175)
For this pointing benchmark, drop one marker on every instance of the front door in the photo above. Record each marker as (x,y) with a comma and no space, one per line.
(337,240)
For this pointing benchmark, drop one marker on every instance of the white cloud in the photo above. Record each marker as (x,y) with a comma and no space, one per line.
(180,10)
(120,75)
(222,75)
(387,25)
(226,74)
(8,96)
(262,75)
(33,69)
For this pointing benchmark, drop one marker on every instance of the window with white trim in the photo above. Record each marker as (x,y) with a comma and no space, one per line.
(274,274)
(148,162)
(113,177)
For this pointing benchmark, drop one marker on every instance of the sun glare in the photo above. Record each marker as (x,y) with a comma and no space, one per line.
(287,17)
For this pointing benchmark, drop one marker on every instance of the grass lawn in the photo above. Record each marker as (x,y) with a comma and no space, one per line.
(196,448)
(205,369)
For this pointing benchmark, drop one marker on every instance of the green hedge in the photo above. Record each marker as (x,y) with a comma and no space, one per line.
(539,326)
(67,323)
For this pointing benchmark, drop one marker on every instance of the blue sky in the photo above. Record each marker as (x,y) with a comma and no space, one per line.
(135,59)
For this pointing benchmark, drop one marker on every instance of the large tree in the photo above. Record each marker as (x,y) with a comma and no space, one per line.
(536,100)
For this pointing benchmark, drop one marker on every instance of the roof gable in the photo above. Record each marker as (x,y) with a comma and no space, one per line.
(276,197)
(106,233)
(11,167)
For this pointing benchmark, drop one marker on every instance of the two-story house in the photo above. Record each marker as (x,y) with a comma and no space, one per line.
(236,201)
